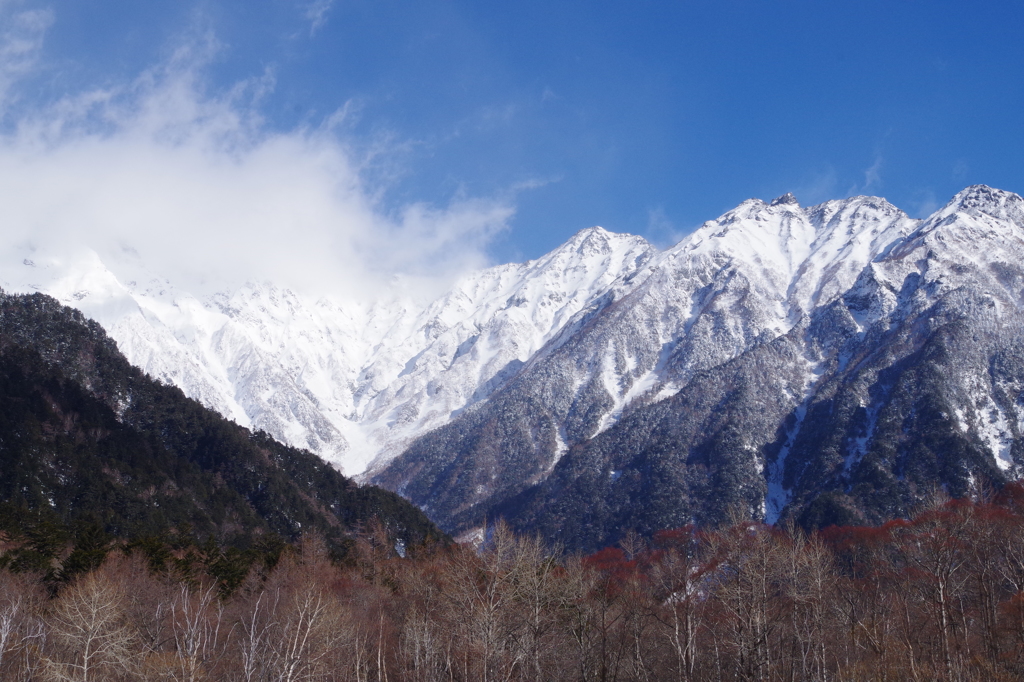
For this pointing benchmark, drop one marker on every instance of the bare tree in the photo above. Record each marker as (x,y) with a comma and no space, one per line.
(935,555)
(307,635)
(678,577)
(811,585)
(254,641)
(579,615)
(748,590)
(293,627)
(91,638)
(536,593)
(22,631)
(9,613)
(481,600)
(426,641)
(197,620)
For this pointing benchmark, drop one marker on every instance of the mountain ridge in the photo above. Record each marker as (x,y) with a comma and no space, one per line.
(479,396)
(341,378)
(741,320)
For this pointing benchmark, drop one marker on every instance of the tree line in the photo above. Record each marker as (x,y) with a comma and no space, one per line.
(936,597)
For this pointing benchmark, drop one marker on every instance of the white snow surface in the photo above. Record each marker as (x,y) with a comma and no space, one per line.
(356,382)
(749,276)
(352,381)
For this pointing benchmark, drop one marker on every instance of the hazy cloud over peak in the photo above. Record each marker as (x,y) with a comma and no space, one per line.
(191,179)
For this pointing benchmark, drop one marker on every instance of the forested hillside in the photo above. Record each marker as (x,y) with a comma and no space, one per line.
(92,450)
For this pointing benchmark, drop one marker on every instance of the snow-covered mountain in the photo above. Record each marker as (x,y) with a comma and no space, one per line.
(829,364)
(351,381)
(826,364)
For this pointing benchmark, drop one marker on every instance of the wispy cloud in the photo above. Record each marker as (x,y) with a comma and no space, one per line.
(872,178)
(661,230)
(21,38)
(192,179)
(873,175)
(316,13)
(961,170)
(818,186)
(924,203)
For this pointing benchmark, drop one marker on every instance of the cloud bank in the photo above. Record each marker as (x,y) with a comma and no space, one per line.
(194,181)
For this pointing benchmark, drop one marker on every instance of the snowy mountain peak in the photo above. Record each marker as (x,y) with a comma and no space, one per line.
(596,234)
(786,199)
(773,237)
(595,241)
(977,215)
(356,382)
(984,199)
(852,210)
(980,204)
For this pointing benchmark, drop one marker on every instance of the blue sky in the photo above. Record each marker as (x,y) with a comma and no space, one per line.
(530,120)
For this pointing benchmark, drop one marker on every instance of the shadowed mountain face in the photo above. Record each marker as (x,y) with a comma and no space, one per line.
(834,364)
(87,438)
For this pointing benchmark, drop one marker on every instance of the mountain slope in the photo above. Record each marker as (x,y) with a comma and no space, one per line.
(827,364)
(734,285)
(352,381)
(86,436)
(832,364)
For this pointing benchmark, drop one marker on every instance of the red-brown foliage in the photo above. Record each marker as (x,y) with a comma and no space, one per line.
(936,597)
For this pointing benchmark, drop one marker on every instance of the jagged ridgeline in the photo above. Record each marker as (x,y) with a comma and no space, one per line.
(829,364)
(88,440)
(836,364)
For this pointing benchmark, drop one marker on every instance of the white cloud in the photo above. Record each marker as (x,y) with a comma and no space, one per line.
(21,37)
(817,187)
(661,229)
(873,175)
(961,171)
(316,13)
(924,203)
(196,183)
(872,179)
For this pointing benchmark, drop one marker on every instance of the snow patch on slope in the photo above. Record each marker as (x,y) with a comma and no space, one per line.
(778,494)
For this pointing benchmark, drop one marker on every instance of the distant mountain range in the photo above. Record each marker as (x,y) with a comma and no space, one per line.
(830,364)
